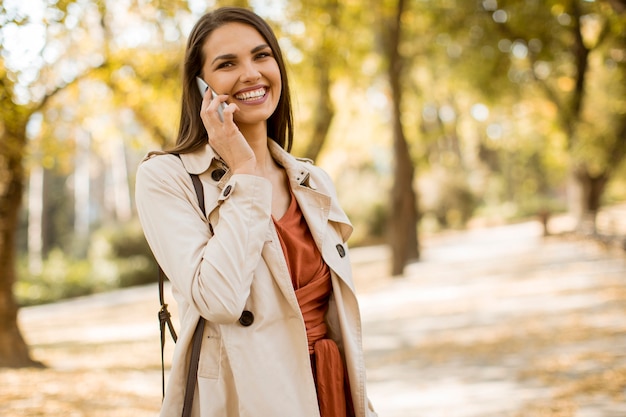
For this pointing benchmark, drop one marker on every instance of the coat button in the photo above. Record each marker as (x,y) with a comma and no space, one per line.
(246,318)
(217,174)
(341,250)
(227,190)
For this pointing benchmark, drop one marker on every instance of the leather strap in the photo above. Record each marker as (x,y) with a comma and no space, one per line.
(192,377)
(165,320)
(197,185)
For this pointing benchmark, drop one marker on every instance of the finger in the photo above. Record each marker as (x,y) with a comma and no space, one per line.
(229,112)
(206,102)
(213,108)
(206,98)
(209,114)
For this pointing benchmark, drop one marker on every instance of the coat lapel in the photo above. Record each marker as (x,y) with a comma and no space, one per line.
(317,208)
(315,198)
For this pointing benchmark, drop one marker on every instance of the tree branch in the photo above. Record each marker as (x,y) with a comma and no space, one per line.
(618,5)
(62,87)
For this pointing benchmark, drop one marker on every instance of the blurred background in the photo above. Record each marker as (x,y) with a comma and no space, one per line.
(435,118)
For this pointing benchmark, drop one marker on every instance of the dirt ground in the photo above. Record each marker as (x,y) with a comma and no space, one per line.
(493,322)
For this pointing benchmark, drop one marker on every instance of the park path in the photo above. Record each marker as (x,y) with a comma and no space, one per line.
(501,322)
(492,322)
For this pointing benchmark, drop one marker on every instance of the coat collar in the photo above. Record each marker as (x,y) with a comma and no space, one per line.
(304,180)
(199,161)
(297,171)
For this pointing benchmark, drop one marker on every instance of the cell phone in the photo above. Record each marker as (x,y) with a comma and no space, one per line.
(203,86)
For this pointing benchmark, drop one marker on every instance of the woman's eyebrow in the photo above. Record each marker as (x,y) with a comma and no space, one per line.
(224,57)
(233,56)
(259,48)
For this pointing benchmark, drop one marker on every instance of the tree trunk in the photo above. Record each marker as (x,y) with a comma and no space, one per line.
(322,62)
(591,188)
(324,111)
(13,349)
(403,238)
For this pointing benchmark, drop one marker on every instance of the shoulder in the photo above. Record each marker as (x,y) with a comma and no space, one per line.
(160,165)
(161,170)
(159,160)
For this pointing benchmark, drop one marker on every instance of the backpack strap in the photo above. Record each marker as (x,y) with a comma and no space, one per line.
(165,320)
(197,185)
(192,375)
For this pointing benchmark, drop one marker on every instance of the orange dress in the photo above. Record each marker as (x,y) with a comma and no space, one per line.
(310,277)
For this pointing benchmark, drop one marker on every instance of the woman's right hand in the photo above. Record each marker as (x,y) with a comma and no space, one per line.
(225,137)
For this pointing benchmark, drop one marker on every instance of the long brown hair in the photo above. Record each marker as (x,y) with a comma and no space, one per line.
(191,132)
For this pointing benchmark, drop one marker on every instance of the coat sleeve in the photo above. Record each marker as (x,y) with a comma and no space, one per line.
(212,272)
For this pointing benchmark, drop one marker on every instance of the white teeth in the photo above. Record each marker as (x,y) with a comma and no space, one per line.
(250,95)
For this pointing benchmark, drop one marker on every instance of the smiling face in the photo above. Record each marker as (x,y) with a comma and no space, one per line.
(239,62)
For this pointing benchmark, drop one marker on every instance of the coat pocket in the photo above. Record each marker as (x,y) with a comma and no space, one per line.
(210,356)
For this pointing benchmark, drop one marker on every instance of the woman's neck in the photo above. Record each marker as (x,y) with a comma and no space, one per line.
(257,139)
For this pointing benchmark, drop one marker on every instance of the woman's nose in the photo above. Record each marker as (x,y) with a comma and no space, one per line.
(250,72)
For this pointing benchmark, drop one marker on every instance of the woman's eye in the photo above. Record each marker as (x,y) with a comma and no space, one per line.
(263,55)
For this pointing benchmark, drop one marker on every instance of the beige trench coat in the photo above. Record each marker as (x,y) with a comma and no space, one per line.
(232,261)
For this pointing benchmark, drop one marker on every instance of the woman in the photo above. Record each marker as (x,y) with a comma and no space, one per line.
(268,266)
